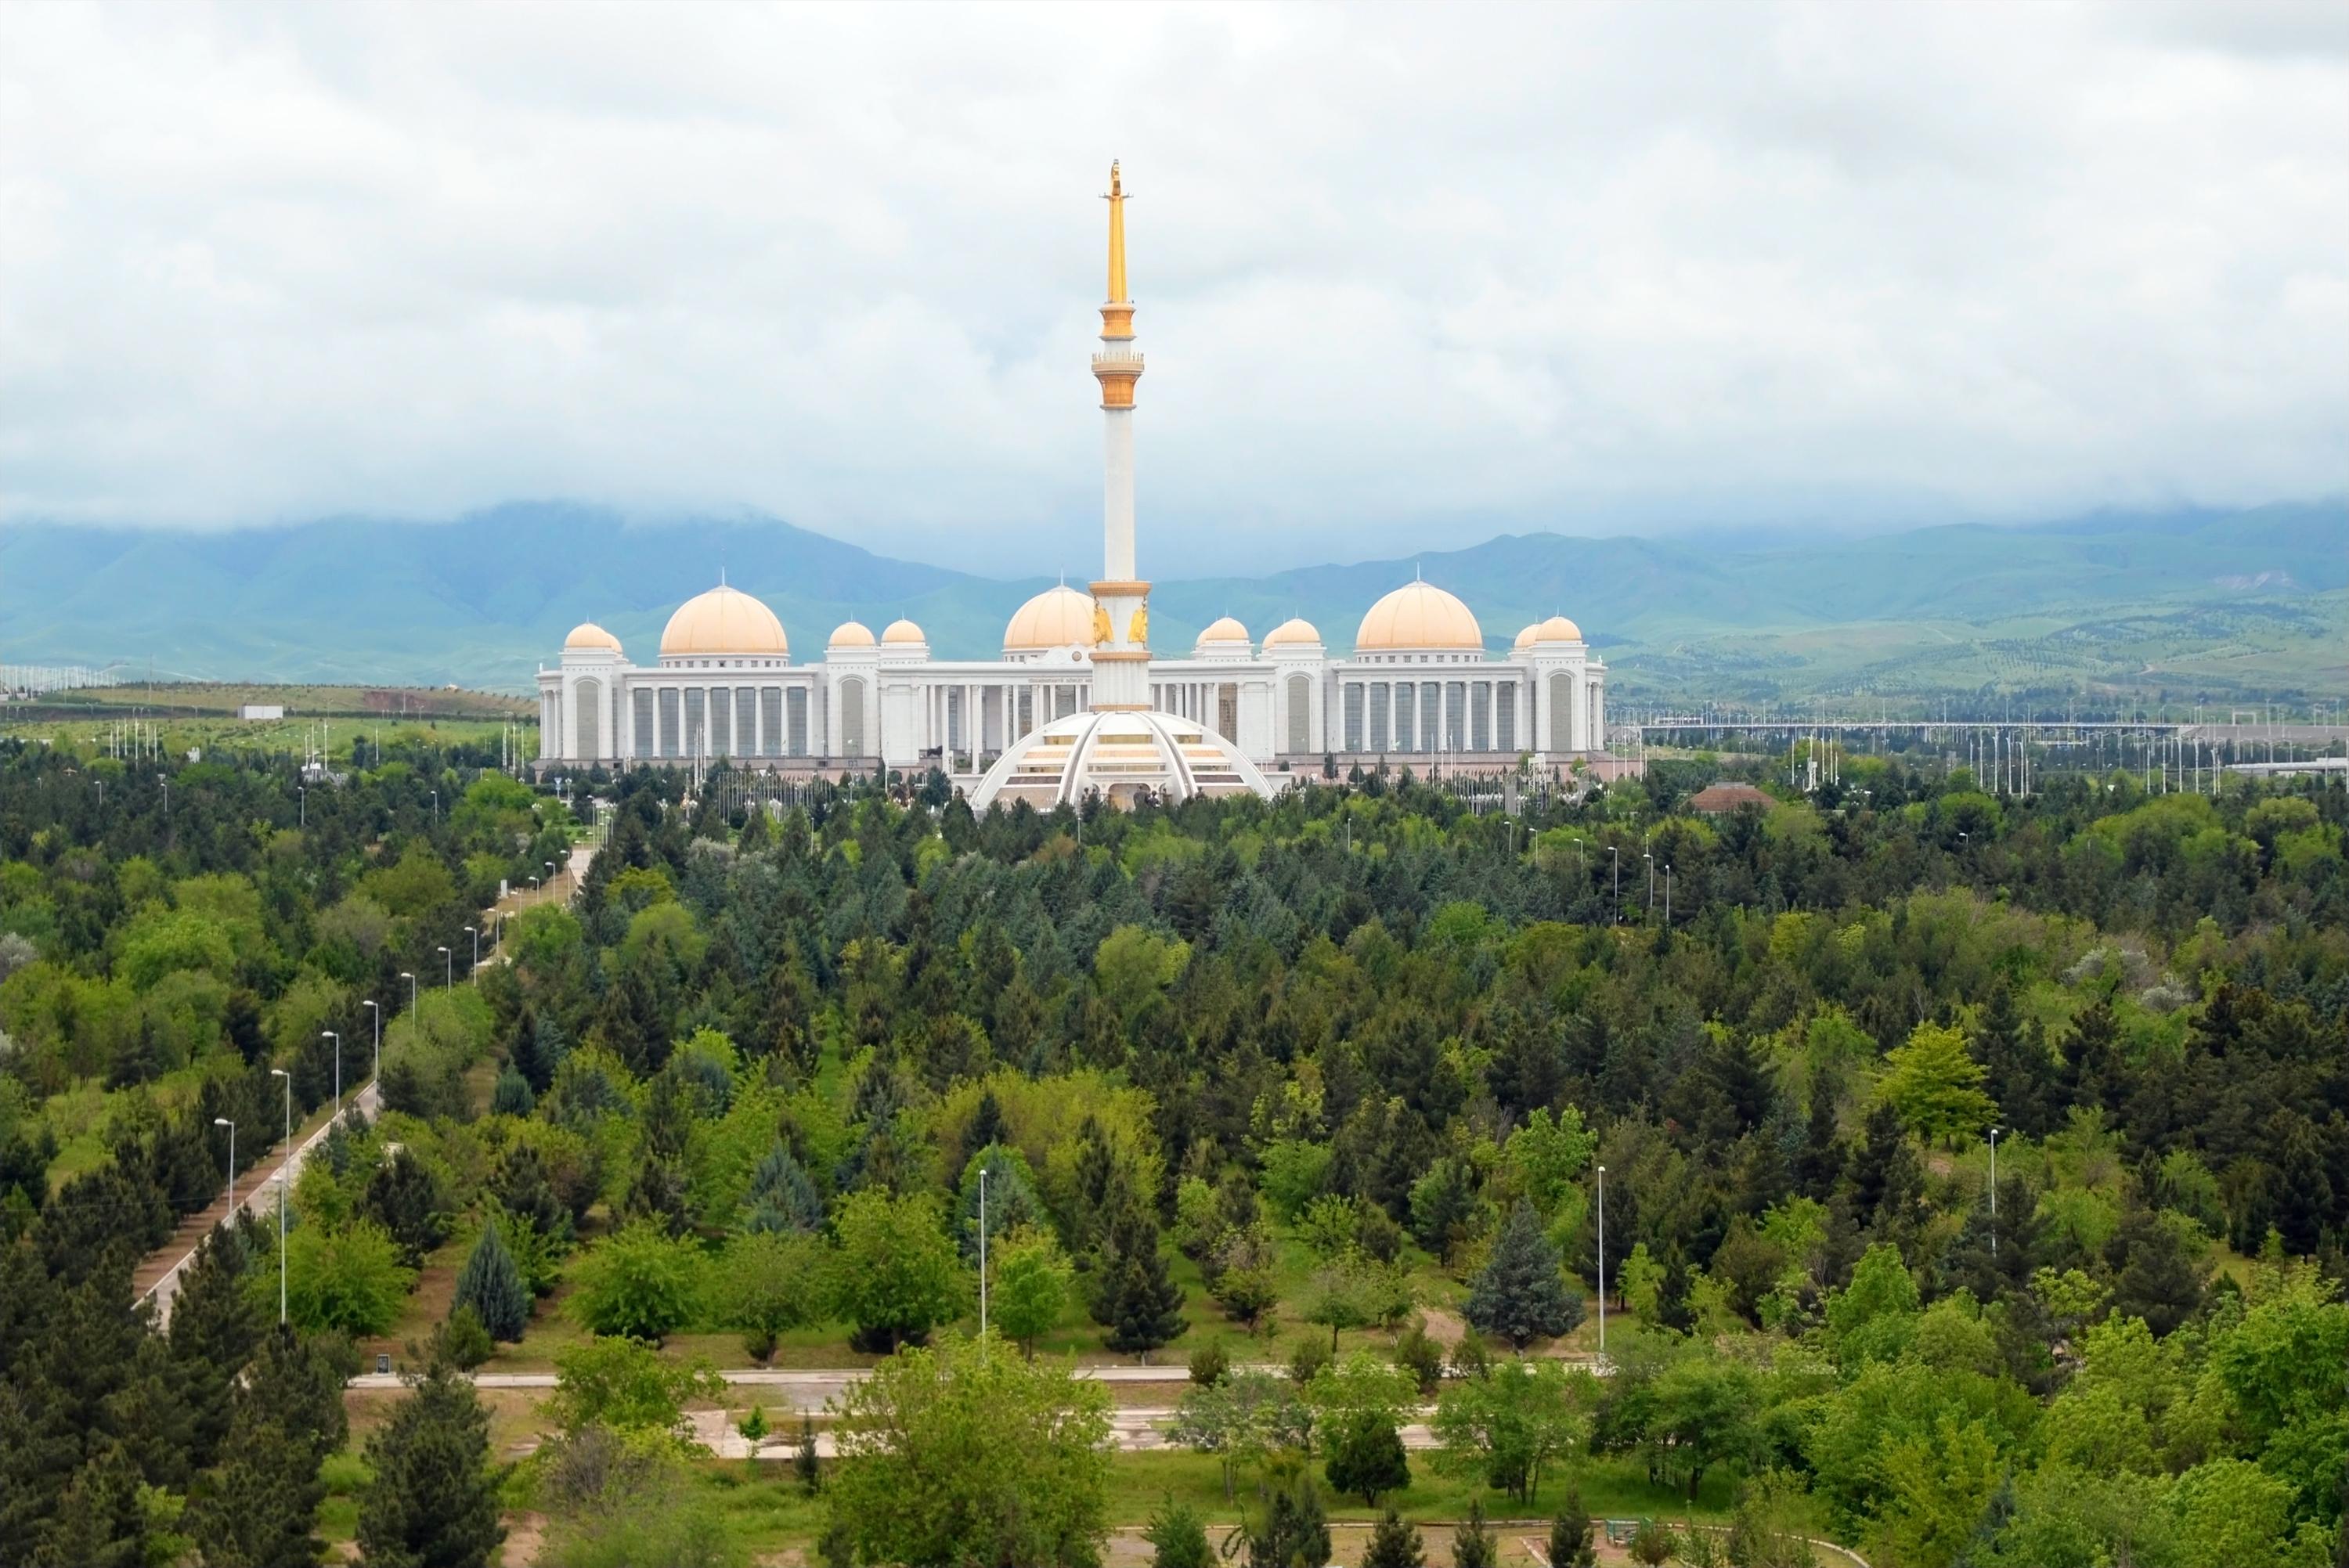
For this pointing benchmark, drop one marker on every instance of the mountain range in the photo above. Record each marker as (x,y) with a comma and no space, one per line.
(480,600)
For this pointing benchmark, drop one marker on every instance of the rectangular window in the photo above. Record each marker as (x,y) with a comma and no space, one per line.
(1508,697)
(721,723)
(669,722)
(747,740)
(1455,719)
(1380,694)
(1480,715)
(1300,714)
(771,719)
(1353,715)
(1403,699)
(696,739)
(1227,711)
(1430,695)
(641,704)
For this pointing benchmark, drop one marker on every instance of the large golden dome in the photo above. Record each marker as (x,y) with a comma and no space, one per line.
(1418,615)
(1059,617)
(724,621)
(588,635)
(902,632)
(851,634)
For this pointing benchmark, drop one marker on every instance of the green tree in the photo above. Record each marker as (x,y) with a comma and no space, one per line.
(625,1385)
(433,1502)
(896,1275)
(1394,1543)
(1520,1293)
(1504,1426)
(1029,1293)
(770,1283)
(1473,1545)
(350,1281)
(260,1509)
(957,1456)
(1569,1535)
(491,1284)
(1366,1457)
(1287,1527)
(1178,1537)
(1137,1300)
(641,1282)
(1935,1085)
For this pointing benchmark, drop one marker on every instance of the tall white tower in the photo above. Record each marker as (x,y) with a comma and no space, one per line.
(1121,600)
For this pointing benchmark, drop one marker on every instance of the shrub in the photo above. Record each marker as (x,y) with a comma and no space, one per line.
(641,1282)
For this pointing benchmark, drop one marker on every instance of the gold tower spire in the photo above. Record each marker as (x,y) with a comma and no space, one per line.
(1116,200)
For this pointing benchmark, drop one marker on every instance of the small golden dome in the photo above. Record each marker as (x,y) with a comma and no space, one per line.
(1525,637)
(1557,629)
(903,632)
(1223,629)
(851,634)
(1059,617)
(724,621)
(588,635)
(1293,633)
(1418,615)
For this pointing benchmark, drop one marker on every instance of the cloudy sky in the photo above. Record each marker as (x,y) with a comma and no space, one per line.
(1408,277)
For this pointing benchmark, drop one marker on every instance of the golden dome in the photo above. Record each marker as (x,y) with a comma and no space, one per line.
(1557,629)
(1059,617)
(1224,629)
(1418,615)
(723,620)
(588,635)
(851,634)
(1293,633)
(902,632)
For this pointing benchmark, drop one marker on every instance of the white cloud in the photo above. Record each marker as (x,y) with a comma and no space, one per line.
(1403,273)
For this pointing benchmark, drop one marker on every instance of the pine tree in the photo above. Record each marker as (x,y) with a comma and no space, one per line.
(493,1286)
(511,1096)
(1178,1537)
(1473,1545)
(805,1464)
(260,1508)
(1569,1535)
(433,1502)
(782,1196)
(1394,1543)
(1138,1301)
(1521,1294)
(97,1523)
(216,1326)
(1366,1457)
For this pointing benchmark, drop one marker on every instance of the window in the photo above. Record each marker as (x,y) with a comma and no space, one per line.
(1300,714)
(746,724)
(1561,712)
(851,718)
(1505,699)
(1455,721)
(1403,699)
(669,722)
(1353,715)
(1227,711)
(1380,694)
(587,729)
(721,723)
(1480,715)
(1430,697)
(697,739)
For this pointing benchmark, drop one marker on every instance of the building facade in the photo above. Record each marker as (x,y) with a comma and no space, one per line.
(1418,685)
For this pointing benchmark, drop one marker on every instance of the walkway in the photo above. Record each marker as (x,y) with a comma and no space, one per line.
(159,1276)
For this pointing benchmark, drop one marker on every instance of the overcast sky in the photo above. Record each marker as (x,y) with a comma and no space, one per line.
(1407,277)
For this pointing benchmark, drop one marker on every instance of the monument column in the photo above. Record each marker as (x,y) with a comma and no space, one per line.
(1120,656)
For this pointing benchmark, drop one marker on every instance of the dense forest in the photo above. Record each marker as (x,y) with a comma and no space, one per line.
(1314,1096)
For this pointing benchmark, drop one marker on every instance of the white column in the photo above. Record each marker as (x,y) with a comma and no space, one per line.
(1117,494)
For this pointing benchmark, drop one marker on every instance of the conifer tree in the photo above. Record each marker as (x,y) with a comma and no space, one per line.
(1394,1543)
(216,1326)
(1473,1545)
(493,1286)
(782,1196)
(1138,1300)
(97,1523)
(260,1508)
(1520,1294)
(511,1096)
(1366,1457)
(433,1502)
(1569,1535)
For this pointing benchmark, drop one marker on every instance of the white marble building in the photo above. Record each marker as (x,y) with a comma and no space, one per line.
(1077,699)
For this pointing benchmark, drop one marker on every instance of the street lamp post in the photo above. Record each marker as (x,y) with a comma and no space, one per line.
(475,933)
(300,807)
(404,975)
(1668,894)
(1615,869)
(1650,859)
(448,969)
(284,1193)
(982,1260)
(436,808)
(377,1013)
(224,1122)
(335,1037)
(1602,1260)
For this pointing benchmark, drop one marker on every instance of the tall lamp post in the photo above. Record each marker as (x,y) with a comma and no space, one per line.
(475,933)
(982,1260)
(1650,859)
(1615,869)
(447,970)
(410,978)
(376,1012)
(1668,894)
(284,1191)
(337,1038)
(1602,1260)
(224,1122)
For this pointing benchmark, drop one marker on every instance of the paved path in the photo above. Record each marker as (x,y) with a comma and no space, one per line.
(257,1189)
